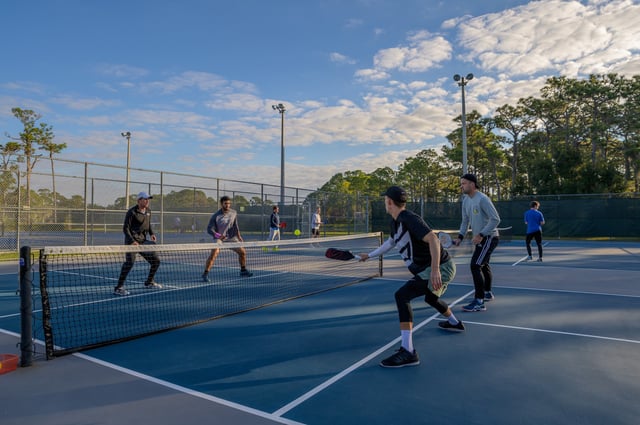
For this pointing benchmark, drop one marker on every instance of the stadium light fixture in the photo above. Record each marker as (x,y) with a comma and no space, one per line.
(462,81)
(281,110)
(127,135)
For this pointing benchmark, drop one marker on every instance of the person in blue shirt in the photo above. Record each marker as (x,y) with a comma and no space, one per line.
(534,221)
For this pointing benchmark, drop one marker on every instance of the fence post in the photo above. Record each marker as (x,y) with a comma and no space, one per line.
(161,207)
(86,206)
(18,213)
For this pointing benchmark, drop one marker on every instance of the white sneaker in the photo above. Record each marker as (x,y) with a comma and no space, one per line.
(120,291)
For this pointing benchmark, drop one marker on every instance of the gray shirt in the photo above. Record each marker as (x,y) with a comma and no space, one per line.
(479,213)
(225,224)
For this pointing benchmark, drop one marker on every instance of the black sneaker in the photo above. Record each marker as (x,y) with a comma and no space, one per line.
(245,273)
(401,358)
(451,328)
(205,278)
(488,296)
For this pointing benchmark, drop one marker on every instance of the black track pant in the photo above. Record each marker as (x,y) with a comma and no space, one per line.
(480,268)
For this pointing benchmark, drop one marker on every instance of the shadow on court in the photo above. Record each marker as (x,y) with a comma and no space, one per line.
(559,345)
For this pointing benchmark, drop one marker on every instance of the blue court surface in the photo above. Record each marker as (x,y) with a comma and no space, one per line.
(560,344)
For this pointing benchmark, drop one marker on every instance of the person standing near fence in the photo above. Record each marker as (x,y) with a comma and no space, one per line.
(316,222)
(534,221)
(274,224)
(479,213)
(432,270)
(137,224)
(223,226)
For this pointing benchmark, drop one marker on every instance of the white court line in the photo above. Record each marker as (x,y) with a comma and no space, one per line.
(347,371)
(632,341)
(566,291)
(526,256)
(189,391)
(174,387)
(528,288)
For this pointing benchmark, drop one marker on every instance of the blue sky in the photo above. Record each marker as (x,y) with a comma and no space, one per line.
(366,83)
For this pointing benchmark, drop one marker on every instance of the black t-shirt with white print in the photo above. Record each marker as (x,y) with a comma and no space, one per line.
(407,232)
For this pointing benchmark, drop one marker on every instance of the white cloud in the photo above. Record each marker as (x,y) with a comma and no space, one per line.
(340,58)
(237,101)
(371,75)
(554,36)
(353,23)
(424,52)
(84,104)
(121,71)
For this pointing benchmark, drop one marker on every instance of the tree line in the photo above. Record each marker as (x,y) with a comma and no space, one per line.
(577,137)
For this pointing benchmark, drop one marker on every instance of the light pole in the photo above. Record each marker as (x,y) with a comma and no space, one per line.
(462,81)
(128,137)
(281,110)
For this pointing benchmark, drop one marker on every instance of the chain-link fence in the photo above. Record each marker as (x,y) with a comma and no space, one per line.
(82,203)
(594,216)
(89,201)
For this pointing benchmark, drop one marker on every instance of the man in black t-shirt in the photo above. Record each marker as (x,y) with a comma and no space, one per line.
(432,270)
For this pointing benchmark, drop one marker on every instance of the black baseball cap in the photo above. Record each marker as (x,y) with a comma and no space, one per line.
(471,177)
(397,194)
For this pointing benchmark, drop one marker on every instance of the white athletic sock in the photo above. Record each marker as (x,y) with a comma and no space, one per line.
(452,319)
(407,341)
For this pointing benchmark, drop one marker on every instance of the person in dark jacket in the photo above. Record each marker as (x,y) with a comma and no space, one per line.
(137,224)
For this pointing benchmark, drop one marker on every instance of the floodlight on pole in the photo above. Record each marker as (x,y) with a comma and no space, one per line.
(462,81)
(127,135)
(281,110)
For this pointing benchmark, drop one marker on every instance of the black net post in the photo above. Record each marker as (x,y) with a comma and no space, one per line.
(26,308)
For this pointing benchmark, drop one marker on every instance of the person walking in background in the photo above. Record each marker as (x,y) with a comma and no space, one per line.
(137,224)
(534,221)
(316,222)
(223,226)
(479,213)
(432,270)
(274,224)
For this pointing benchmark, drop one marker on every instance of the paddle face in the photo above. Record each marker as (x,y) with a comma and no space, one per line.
(339,254)
(445,239)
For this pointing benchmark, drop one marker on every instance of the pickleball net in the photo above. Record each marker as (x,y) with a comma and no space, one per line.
(80,310)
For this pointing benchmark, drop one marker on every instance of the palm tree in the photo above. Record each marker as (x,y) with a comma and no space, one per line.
(46,144)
